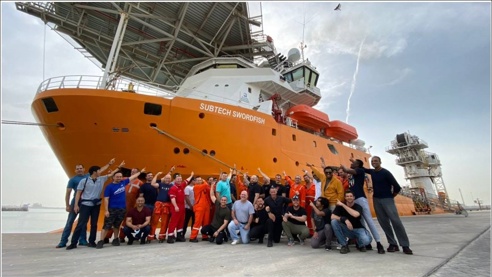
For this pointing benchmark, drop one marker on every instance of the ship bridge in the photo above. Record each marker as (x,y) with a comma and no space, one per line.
(156,42)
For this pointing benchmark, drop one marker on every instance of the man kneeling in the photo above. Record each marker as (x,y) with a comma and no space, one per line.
(138,221)
(295,222)
(345,221)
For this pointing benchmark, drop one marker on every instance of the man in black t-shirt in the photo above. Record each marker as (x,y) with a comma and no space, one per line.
(294,222)
(345,221)
(275,211)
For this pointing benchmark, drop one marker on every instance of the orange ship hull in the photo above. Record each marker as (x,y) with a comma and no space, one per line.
(200,136)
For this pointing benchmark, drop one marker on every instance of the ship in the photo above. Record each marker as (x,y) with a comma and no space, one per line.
(197,85)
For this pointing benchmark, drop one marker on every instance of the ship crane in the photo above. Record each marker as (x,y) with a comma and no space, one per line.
(422,169)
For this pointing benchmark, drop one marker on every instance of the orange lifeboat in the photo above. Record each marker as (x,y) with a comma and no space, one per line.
(341,131)
(308,117)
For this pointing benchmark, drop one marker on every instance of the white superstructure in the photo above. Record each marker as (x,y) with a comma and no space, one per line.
(422,169)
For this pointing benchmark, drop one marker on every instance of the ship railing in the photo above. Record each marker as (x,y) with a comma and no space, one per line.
(121,84)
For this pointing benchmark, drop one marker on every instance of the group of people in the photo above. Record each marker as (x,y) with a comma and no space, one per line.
(324,206)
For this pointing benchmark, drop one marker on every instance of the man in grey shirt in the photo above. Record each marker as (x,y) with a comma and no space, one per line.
(88,202)
(242,216)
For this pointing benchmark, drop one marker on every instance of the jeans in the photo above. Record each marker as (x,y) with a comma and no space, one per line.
(189,214)
(367,217)
(233,228)
(68,228)
(324,237)
(142,235)
(342,231)
(84,214)
(209,230)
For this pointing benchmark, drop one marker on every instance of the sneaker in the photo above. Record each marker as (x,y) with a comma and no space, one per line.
(380,248)
(116,242)
(291,242)
(392,248)
(270,243)
(71,246)
(260,241)
(171,239)
(91,244)
(407,250)
(327,247)
(344,249)
(180,239)
(100,244)
(122,240)
(130,242)
(369,247)
(362,249)
(211,239)
(142,241)
(194,240)
(234,242)
(302,242)
(83,243)
(106,240)
(61,245)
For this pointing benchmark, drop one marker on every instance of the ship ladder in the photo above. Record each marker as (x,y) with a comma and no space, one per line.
(192,147)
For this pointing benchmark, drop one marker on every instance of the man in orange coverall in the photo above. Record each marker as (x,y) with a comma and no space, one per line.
(201,207)
(162,209)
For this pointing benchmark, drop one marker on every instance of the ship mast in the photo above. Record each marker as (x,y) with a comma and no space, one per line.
(422,168)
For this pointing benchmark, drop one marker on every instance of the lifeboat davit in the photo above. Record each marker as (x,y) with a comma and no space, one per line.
(308,117)
(341,131)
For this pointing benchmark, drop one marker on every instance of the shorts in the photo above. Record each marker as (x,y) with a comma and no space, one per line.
(116,217)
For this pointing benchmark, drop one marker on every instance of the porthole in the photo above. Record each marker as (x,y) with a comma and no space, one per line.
(176,150)
(186,151)
(204,151)
(297,163)
(201,115)
(153,125)
(274,132)
(274,160)
(60,126)
(212,153)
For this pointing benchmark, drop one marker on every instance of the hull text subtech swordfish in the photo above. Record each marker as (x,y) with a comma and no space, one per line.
(197,85)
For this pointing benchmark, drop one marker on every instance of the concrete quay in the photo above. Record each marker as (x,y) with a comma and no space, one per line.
(443,245)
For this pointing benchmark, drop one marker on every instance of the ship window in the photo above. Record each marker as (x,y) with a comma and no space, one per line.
(152,109)
(274,160)
(332,149)
(204,151)
(297,163)
(294,137)
(186,151)
(176,150)
(298,73)
(212,153)
(288,77)
(352,155)
(50,105)
(314,143)
(249,90)
(274,132)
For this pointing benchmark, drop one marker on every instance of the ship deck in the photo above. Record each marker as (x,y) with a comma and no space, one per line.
(443,245)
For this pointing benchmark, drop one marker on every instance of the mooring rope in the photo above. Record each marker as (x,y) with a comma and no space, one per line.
(13,122)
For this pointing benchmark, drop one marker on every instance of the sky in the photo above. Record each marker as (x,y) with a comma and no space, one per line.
(422,67)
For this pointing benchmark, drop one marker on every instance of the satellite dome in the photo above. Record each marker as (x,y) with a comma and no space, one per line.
(294,55)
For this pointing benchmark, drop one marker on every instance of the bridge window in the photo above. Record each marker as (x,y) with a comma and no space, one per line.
(298,73)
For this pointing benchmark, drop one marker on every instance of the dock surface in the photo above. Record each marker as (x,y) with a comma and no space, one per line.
(443,245)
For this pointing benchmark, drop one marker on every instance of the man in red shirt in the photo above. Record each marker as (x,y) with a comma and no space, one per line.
(177,195)
(137,222)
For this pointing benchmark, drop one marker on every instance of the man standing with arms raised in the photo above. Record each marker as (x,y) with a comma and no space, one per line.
(357,171)
(385,189)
